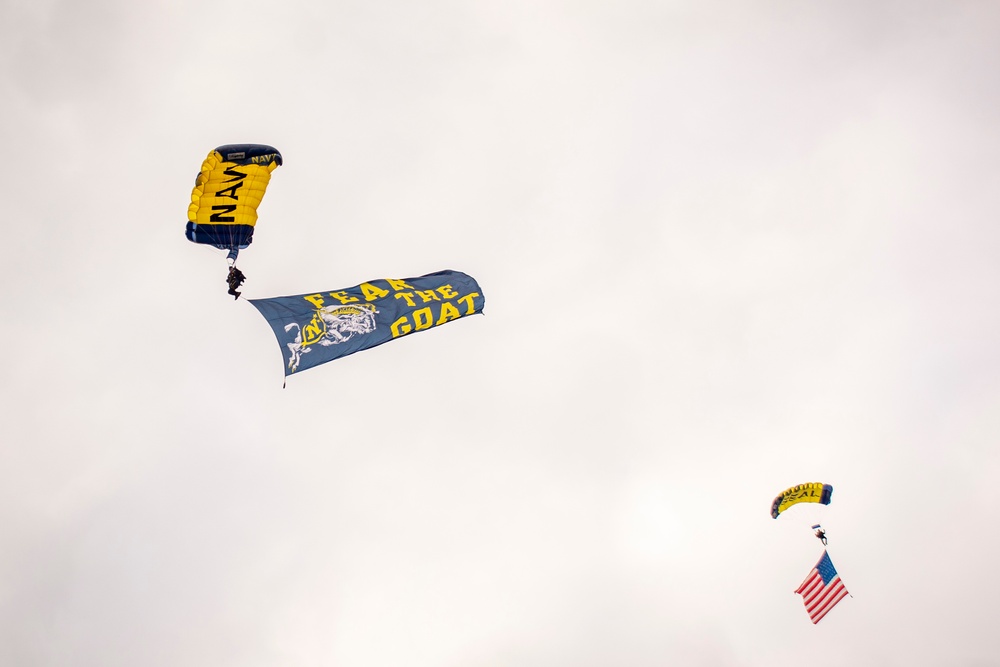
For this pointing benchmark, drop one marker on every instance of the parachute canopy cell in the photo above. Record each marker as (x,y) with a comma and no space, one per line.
(226,194)
(813,492)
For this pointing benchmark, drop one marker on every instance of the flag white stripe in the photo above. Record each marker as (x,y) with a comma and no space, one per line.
(815,586)
(809,583)
(806,581)
(833,603)
(816,599)
(820,600)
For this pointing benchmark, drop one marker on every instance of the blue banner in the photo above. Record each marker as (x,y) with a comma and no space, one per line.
(313,329)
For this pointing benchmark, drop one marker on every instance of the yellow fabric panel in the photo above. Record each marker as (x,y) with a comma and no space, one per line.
(243,187)
(801,493)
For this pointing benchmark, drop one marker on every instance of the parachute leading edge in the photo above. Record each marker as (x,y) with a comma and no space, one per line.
(226,194)
(813,492)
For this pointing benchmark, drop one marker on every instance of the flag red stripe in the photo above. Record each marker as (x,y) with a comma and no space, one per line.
(815,584)
(821,599)
(833,603)
(817,591)
(812,575)
(810,582)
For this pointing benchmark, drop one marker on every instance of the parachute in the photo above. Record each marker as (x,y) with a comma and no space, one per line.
(813,492)
(226,194)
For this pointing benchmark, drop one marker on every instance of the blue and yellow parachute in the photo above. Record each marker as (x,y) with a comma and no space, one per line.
(812,492)
(226,194)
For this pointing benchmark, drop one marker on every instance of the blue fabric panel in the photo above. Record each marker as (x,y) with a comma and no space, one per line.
(826,495)
(313,329)
(246,153)
(225,237)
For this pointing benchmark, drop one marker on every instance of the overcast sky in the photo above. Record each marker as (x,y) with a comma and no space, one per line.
(726,247)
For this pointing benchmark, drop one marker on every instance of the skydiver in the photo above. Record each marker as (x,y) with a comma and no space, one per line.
(821,534)
(235,279)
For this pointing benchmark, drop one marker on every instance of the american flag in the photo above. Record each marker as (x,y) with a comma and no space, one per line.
(822,589)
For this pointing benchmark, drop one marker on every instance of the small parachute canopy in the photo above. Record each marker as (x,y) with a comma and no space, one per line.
(813,492)
(226,194)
